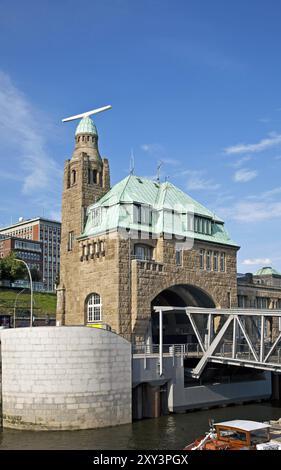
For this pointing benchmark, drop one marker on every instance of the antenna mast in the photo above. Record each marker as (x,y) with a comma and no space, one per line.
(132,162)
(160,164)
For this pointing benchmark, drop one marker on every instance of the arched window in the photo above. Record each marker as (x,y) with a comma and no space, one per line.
(93,308)
(73,177)
(143,252)
(94,176)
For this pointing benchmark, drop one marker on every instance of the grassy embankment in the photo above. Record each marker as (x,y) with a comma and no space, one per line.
(44,303)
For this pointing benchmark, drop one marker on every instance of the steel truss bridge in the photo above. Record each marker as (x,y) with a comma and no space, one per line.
(234,336)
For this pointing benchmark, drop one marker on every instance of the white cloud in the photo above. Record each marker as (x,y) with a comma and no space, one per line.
(170,161)
(268,195)
(153,148)
(159,152)
(240,162)
(197,182)
(248,212)
(257,261)
(264,144)
(22,134)
(244,175)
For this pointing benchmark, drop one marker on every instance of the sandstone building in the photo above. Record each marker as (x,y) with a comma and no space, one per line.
(139,244)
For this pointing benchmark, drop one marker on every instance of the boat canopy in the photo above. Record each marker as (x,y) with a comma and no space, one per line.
(244,425)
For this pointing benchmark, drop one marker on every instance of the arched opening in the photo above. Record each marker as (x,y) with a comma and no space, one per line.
(93,308)
(73,177)
(176,325)
(94,176)
(143,252)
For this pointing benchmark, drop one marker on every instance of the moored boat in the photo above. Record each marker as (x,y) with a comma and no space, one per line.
(236,435)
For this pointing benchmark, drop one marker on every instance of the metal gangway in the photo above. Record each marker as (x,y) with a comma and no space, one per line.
(234,336)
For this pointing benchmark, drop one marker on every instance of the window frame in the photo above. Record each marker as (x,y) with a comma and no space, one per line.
(179,256)
(94,308)
(208,260)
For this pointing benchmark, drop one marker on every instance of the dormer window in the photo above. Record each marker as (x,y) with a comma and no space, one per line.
(96,216)
(202,225)
(142,214)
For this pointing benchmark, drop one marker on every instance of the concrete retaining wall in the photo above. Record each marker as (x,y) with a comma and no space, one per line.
(197,396)
(65,378)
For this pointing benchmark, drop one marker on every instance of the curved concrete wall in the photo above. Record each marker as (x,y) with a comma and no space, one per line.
(65,378)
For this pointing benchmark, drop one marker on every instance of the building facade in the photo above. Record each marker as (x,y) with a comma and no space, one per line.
(260,290)
(48,232)
(138,244)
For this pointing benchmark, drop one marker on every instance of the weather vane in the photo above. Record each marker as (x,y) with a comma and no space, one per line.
(88,113)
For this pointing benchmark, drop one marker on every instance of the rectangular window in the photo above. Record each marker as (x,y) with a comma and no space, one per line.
(70,241)
(204,225)
(142,215)
(208,260)
(262,302)
(190,222)
(222,262)
(96,216)
(137,214)
(202,259)
(242,301)
(179,257)
(216,261)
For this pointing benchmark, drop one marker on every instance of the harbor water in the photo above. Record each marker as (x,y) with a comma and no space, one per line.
(167,432)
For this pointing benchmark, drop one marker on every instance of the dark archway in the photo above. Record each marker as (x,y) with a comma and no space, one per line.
(176,326)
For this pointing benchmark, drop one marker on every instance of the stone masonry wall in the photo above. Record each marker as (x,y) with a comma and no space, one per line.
(148,281)
(65,378)
(128,286)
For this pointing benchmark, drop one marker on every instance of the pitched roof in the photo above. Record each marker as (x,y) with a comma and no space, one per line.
(145,191)
(169,206)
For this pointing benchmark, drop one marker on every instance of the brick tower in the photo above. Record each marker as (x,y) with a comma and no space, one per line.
(86,179)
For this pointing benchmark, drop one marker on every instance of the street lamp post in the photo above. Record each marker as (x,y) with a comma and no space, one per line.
(15,306)
(31,289)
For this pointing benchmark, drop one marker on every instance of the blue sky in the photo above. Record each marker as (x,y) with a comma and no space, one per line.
(194,83)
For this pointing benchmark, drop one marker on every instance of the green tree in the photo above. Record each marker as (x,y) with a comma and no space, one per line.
(11,269)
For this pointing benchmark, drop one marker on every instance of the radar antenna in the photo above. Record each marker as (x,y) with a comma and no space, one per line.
(87,113)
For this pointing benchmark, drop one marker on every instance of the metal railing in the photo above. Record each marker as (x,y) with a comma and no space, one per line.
(243,352)
(170,349)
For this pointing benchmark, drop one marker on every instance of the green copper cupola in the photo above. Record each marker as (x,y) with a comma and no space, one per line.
(86,126)
(86,139)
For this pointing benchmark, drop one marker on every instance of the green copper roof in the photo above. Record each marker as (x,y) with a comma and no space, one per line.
(86,126)
(267,271)
(168,207)
(145,191)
